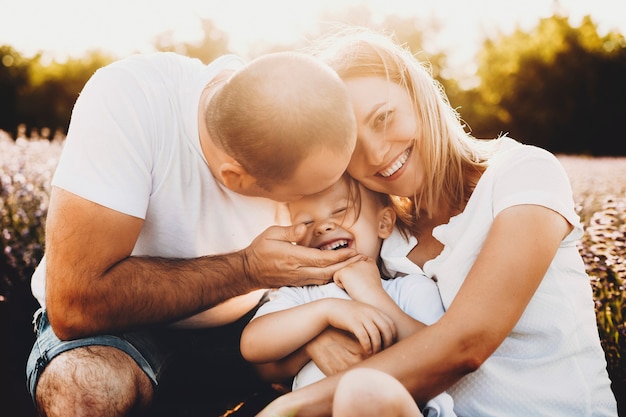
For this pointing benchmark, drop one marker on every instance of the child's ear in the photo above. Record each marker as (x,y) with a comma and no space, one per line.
(235,177)
(386,221)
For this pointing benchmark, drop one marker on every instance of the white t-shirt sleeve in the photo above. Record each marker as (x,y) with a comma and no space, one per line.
(282,299)
(107,153)
(535,176)
(417,295)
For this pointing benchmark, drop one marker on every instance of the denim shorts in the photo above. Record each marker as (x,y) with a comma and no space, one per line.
(139,346)
(176,358)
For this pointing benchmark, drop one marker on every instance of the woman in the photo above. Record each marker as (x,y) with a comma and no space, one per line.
(495,227)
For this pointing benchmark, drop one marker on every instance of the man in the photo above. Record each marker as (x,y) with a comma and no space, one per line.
(155,218)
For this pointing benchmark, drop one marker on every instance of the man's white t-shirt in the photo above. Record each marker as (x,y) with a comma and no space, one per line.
(133,146)
(552,363)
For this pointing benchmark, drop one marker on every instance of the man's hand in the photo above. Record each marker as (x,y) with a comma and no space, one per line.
(272,260)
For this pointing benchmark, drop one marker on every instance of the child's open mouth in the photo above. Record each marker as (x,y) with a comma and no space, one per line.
(337,244)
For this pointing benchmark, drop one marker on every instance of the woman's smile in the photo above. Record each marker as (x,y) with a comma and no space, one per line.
(396,165)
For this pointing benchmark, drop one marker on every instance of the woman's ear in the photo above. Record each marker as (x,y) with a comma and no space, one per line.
(386,222)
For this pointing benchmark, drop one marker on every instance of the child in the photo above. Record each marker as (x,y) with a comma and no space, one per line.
(346,215)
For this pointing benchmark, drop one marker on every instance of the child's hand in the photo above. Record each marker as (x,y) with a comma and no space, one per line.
(372,328)
(361,280)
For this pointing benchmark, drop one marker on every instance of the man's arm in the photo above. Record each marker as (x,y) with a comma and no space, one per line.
(93,285)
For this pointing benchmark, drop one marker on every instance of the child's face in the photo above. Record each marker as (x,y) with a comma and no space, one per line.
(332,223)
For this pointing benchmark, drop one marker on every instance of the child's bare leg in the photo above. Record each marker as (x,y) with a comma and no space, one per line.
(366,392)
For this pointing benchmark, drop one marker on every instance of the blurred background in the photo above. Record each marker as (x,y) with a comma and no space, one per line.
(547,72)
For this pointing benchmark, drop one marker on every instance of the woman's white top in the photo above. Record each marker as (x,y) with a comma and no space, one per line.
(552,363)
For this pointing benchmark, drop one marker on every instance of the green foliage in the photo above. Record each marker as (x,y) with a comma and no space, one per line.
(49,98)
(42,95)
(13,79)
(557,86)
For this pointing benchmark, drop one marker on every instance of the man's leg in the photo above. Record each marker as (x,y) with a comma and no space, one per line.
(107,375)
(199,371)
(93,381)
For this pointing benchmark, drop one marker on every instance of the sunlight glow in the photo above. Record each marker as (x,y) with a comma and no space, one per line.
(64,28)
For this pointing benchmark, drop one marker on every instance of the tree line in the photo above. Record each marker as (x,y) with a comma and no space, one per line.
(558,86)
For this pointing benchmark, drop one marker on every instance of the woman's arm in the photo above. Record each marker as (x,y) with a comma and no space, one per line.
(514,259)
(276,335)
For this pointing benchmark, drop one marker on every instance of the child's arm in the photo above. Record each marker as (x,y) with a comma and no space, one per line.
(276,335)
(363,283)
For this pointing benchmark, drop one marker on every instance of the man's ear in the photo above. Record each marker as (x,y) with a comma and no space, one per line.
(386,221)
(235,177)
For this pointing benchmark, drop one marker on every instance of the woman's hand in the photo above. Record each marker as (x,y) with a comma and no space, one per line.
(335,351)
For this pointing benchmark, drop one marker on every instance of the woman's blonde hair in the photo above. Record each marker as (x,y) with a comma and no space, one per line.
(453,159)
(382,200)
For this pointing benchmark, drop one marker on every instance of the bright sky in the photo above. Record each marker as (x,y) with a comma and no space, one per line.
(62,28)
